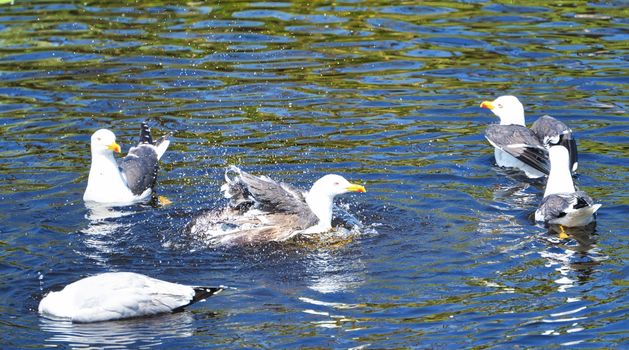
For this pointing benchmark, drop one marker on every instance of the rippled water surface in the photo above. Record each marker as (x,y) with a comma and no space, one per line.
(383,93)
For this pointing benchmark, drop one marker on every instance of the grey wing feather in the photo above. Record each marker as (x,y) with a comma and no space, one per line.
(521,143)
(139,168)
(555,205)
(548,128)
(266,193)
(551,131)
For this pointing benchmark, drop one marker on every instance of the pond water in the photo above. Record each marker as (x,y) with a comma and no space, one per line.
(385,94)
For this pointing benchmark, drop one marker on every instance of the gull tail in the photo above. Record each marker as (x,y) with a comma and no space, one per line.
(595,207)
(145,134)
(202,293)
(161,145)
(584,215)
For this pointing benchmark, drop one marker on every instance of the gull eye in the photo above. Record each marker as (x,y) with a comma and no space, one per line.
(499,105)
(98,138)
(336,183)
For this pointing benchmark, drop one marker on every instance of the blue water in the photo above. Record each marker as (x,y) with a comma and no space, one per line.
(386,95)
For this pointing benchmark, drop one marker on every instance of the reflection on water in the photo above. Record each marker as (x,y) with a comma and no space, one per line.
(331,315)
(331,274)
(440,252)
(103,233)
(510,200)
(575,258)
(142,333)
(101,212)
(516,196)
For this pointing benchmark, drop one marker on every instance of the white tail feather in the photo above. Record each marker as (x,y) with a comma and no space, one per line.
(161,148)
(595,207)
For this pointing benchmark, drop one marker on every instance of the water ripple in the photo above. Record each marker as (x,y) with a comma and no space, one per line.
(384,94)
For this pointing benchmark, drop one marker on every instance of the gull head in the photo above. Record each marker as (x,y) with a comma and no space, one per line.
(321,195)
(104,140)
(508,108)
(332,185)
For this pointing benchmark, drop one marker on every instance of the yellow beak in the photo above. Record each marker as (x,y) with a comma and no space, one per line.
(114,147)
(355,188)
(487,104)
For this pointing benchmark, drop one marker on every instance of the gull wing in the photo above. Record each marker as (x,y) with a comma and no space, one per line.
(557,205)
(265,193)
(551,131)
(139,168)
(521,143)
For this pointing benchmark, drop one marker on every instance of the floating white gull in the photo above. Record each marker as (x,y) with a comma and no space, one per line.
(562,204)
(517,146)
(129,180)
(118,295)
(262,209)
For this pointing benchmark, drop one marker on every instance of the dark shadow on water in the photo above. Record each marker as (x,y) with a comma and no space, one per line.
(585,235)
(577,256)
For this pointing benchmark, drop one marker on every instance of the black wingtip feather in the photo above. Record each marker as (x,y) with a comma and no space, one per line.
(566,140)
(145,134)
(581,203)
(537,159)
(201,293)
(572,150)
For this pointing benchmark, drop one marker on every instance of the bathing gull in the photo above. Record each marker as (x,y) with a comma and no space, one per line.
(263,210)
(129,180)
(118,295)
(517,146)
(562,204)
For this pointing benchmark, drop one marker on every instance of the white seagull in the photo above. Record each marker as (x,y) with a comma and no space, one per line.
(130,179)
(118,295)
(517,146)
(562,204)
(262,209)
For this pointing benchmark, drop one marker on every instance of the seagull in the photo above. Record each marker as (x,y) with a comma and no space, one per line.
(130,179)
(562,204)
(263,210)
(517,146)
(118,295)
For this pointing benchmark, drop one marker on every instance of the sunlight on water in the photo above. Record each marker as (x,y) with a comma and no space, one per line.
(441,252)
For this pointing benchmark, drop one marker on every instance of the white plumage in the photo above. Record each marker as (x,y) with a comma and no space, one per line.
(118,295)
(262,209)
(562,204)
(517,146)
(132,178)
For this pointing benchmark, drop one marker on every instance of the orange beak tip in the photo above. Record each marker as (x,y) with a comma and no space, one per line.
(356,188)
(486,104)
(114,147)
